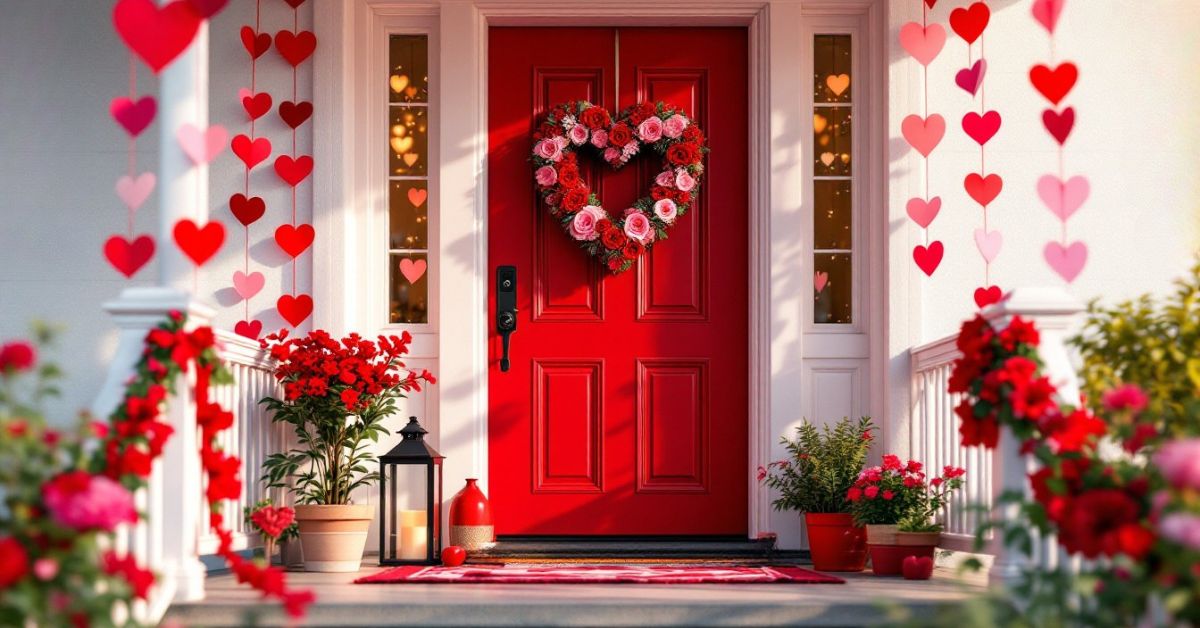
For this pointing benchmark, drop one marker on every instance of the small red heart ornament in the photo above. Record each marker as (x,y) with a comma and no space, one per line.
(930,3)
(295,47)
(294,114)
(157,35)
(983,189)
(208,8)
(257,105)
(987,296)
(134,117)
(247,210)
(917,568)
(294,309)
(248,329)
(295,4)
(970,22)
(293,171)
(1054,84)
(127,256)
(294,240)
(199,244)
(256,44)
(453,556)
(970,79)
(1059,125)
(251,152)
(981,128)
(929,258)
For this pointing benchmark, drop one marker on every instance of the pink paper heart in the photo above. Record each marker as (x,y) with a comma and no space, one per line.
(922,42)
(202,146)
(1047,12)
(247,286)
(988,243)
(412,270)
(134,117)
(1063,198)
(133,192)
(981,128)
(971,78)
(820,280)
(923,212)
(1067,261)
(923,134)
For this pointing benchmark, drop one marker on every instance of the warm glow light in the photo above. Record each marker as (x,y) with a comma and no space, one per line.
(819,122)
(399,82)
(402,145)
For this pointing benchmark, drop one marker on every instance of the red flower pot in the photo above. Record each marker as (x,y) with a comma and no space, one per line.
(835,542)
(471,525)
(888,560)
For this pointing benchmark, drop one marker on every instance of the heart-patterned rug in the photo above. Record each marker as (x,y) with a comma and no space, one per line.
(598,574)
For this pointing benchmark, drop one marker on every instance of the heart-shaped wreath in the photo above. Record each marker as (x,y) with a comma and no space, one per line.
(617,240)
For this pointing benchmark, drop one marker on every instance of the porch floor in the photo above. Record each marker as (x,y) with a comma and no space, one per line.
(863,600)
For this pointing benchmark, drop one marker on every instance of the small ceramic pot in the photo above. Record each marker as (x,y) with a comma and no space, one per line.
(835,542)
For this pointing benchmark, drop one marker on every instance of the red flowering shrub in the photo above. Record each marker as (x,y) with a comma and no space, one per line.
(898,493)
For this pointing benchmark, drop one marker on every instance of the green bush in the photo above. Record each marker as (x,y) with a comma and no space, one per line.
(823,465)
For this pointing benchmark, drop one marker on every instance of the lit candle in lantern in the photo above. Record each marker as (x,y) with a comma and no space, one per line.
(414,535)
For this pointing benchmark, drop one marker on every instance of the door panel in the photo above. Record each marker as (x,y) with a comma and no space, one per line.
(624,412)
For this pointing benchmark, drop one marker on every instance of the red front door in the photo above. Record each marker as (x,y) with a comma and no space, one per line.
(625,409)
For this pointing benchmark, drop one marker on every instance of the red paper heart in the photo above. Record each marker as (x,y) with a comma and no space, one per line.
(917,568)
(251,152)
(133,116)
(293,171)
(199,244)
(295,4)
(247,210)
(930,3)
(294,309)
(987,296)
(970,22)
(295,47)
(257,105)
(256,44)
(294,240)
(248,329)
(1054,84)
(128,257)
(971,79)
(981,128)
(928,259)
(208,8)
(295,113)
(156,35)
(1059,125)
(983,189)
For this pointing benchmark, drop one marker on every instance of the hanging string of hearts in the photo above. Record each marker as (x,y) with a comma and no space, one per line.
(1062,196)
(252,151)
(923,42)
(296,47)
(969,23)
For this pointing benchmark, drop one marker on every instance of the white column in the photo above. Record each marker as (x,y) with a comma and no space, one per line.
(1055,313)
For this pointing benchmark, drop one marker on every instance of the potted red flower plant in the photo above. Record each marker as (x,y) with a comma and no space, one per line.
(815,480)
(274,524)
(337,395)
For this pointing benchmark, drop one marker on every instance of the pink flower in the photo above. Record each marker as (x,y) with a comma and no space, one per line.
(673,127)
(665,178)
(611,154)
(546,176)
(1128,397)
(17,355)
(762,473)
(1180,462)
(45,568)
(637,227)
(548,149)
(82,501)
(651,129)
(578,134)
(583,225)
(630,149)
(1182,528)
(684,181)
(871,492)
(600,138)
(666,210)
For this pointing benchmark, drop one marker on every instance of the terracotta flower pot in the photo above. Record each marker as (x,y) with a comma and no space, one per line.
(835,542)
(471,525)
(882,534)
(922,539)
(333,537)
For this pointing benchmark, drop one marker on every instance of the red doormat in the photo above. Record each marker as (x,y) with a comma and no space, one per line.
(598,574)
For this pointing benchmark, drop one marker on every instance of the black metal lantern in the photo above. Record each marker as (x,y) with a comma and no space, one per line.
(410,505)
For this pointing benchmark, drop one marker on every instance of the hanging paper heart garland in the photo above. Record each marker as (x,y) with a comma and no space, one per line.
(157,35)
(924,41)
(198,243)
(1062,196)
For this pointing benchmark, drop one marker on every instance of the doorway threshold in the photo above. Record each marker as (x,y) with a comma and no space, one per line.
(624,550)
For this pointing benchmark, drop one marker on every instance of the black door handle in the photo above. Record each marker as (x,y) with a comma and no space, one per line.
(506,308)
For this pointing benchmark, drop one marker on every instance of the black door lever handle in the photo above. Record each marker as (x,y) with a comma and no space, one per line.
(506,309)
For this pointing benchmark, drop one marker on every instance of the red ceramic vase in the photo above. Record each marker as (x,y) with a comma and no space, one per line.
(836,544)
(471,524)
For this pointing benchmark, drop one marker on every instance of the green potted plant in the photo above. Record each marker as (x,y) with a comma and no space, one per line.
(815,480)
(337,395)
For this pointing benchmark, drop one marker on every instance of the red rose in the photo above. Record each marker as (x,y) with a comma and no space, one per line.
(680,197)
(632,250)
(615,263)
(568,175)
(603,225)
(683,154)
(620,134)
(575,198)
(659,192)
(15,564)
(595,117)
(17,355)
(693,134)
(613,239)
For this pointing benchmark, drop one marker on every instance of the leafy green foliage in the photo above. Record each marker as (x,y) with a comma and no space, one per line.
(823,464)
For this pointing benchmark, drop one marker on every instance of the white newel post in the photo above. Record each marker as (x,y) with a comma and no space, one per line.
(167,541)
(1055,312)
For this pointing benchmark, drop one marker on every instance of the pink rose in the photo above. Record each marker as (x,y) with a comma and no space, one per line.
(579,134)
(600,138)
(553,199)
(45,569)
(546,176)
(1180,463)
(684,181)
(81,501)
(651,129)
(665,178)
(583,225)
(1182,528)
(673,127)
(666,210)
(548,149)
(611,154)
(637,227)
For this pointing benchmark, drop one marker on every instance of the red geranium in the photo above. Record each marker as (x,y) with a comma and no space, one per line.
(1104,522)
(17,355)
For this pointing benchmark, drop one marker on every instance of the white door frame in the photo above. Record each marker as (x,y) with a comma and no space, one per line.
(344,86)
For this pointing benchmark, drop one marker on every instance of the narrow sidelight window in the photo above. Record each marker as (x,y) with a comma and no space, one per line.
(408,179)
(833,183)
